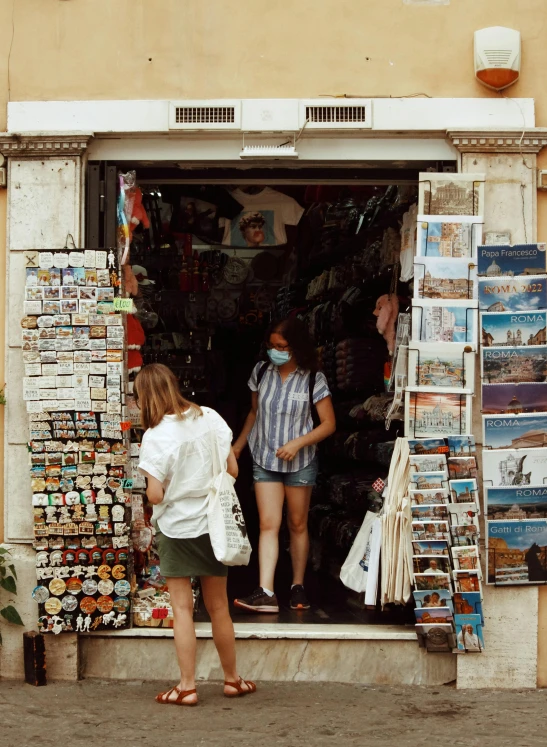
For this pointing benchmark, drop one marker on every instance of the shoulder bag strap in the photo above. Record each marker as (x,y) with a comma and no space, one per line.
(261,371)
(215,452)
(313,408)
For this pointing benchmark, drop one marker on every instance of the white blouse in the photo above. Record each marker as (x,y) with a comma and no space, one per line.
(177,452)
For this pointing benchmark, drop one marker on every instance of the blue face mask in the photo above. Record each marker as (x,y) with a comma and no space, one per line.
(279,357)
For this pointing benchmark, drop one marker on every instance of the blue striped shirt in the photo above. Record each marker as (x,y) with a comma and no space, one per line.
(283,414)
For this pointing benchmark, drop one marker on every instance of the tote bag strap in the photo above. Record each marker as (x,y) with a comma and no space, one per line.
(215,453)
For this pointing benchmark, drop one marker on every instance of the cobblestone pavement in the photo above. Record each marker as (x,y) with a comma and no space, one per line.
(287,714)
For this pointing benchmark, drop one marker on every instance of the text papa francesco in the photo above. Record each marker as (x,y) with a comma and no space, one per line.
(514,288)
(509,253)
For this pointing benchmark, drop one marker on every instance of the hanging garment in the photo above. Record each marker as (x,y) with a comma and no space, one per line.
(263,219)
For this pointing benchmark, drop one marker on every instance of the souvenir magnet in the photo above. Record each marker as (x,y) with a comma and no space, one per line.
(40,594)
(53,605)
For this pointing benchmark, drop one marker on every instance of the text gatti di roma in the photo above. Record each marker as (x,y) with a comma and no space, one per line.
(526,529)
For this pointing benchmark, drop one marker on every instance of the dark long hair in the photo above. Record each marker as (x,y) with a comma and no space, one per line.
(299,339)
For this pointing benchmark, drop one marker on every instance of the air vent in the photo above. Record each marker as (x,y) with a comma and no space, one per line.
(326,115)
(498,57)
(205,115)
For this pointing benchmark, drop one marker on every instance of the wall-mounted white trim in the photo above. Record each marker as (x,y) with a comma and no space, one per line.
(434,114)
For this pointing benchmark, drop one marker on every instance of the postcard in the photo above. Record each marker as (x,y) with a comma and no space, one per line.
(437,512)
(430,530)
(516,552)
(464,514)
(427,446)
(449,236)
(514,431)
(520,259)
(444,321)
(514,365)
(466,535)
(429,481)
(467,581)
(461,446)
(426,463)
(511,329)
(516,503)
(469,634)
(506,399)
(513,293)
(437,638)
(441,364)
(430,547)
(466,558)
(464,491)
(437,564)
(462,468)
(451,279)
(432,411)
(451,194)
(467,603)
(427,599)
(433,615)
(432,581)
(514,467)
(428,497)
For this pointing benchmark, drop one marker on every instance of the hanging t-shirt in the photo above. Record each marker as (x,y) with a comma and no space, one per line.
(263,219)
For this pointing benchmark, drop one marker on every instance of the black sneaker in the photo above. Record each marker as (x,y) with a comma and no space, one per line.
(258,601)
(299,600)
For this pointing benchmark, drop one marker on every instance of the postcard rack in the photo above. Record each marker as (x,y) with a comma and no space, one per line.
(466,351)
(473,232)
(471,309)
(475,183)
(461,433)
(471,266)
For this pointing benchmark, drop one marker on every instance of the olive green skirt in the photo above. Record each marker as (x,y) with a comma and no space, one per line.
(183,557)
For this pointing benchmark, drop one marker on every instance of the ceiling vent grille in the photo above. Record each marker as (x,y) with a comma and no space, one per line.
(336,116)
(205,115)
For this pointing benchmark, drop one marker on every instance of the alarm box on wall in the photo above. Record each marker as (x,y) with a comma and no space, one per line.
(497,57)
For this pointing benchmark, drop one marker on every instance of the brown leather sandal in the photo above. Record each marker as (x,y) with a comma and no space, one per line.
(251,688)
(163,698)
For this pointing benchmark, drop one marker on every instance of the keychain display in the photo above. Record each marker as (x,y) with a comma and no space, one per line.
(73,340)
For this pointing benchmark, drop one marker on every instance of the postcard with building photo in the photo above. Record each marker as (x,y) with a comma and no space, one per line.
(513,293)
(430,530)
(423,481)
(517,552)
(464,491)
(434,564)
(505,260)
(506,467)
(461,446)
(432,581)
(428,463)
(429,513)
(450,279)
(451,194)
(432,411)
(462,468)
(517,503)
(468,603)
(511,365)
(430,547)
(433,615)
(428,599)
(437,638)
(466,558)
(449,236)
(467,581)
(508,399)
(509,329)
(423,446)
(429,497)
(465,536)
(441,364)
(464,514)
(528,430)
(469,635)
(445,321)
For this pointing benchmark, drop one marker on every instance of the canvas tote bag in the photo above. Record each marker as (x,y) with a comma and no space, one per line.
(355,570)
(227,529)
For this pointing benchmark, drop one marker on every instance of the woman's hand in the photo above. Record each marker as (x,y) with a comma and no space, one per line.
(237,449)
(289,451)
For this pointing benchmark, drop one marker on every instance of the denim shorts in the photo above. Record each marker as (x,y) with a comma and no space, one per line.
(302,478)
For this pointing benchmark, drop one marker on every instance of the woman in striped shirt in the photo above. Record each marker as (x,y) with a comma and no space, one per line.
(291,412)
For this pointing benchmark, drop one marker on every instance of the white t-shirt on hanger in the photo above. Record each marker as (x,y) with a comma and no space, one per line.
(263,219)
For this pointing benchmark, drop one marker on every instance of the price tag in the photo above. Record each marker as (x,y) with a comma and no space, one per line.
(123,304)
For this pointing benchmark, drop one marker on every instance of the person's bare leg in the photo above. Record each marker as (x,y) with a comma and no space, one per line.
(182,602)
(270,497)
(216,602)
(298,504)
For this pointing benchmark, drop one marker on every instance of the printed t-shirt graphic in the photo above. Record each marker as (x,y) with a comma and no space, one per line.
(263,219)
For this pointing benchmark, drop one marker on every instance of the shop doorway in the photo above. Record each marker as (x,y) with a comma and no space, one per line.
(209,285)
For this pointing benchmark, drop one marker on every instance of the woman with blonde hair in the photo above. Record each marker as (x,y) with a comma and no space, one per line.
(176,458)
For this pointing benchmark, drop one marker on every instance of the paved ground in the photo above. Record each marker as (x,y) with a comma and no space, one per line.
(288,715)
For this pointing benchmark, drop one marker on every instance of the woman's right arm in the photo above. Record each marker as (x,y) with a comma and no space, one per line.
(241,442)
